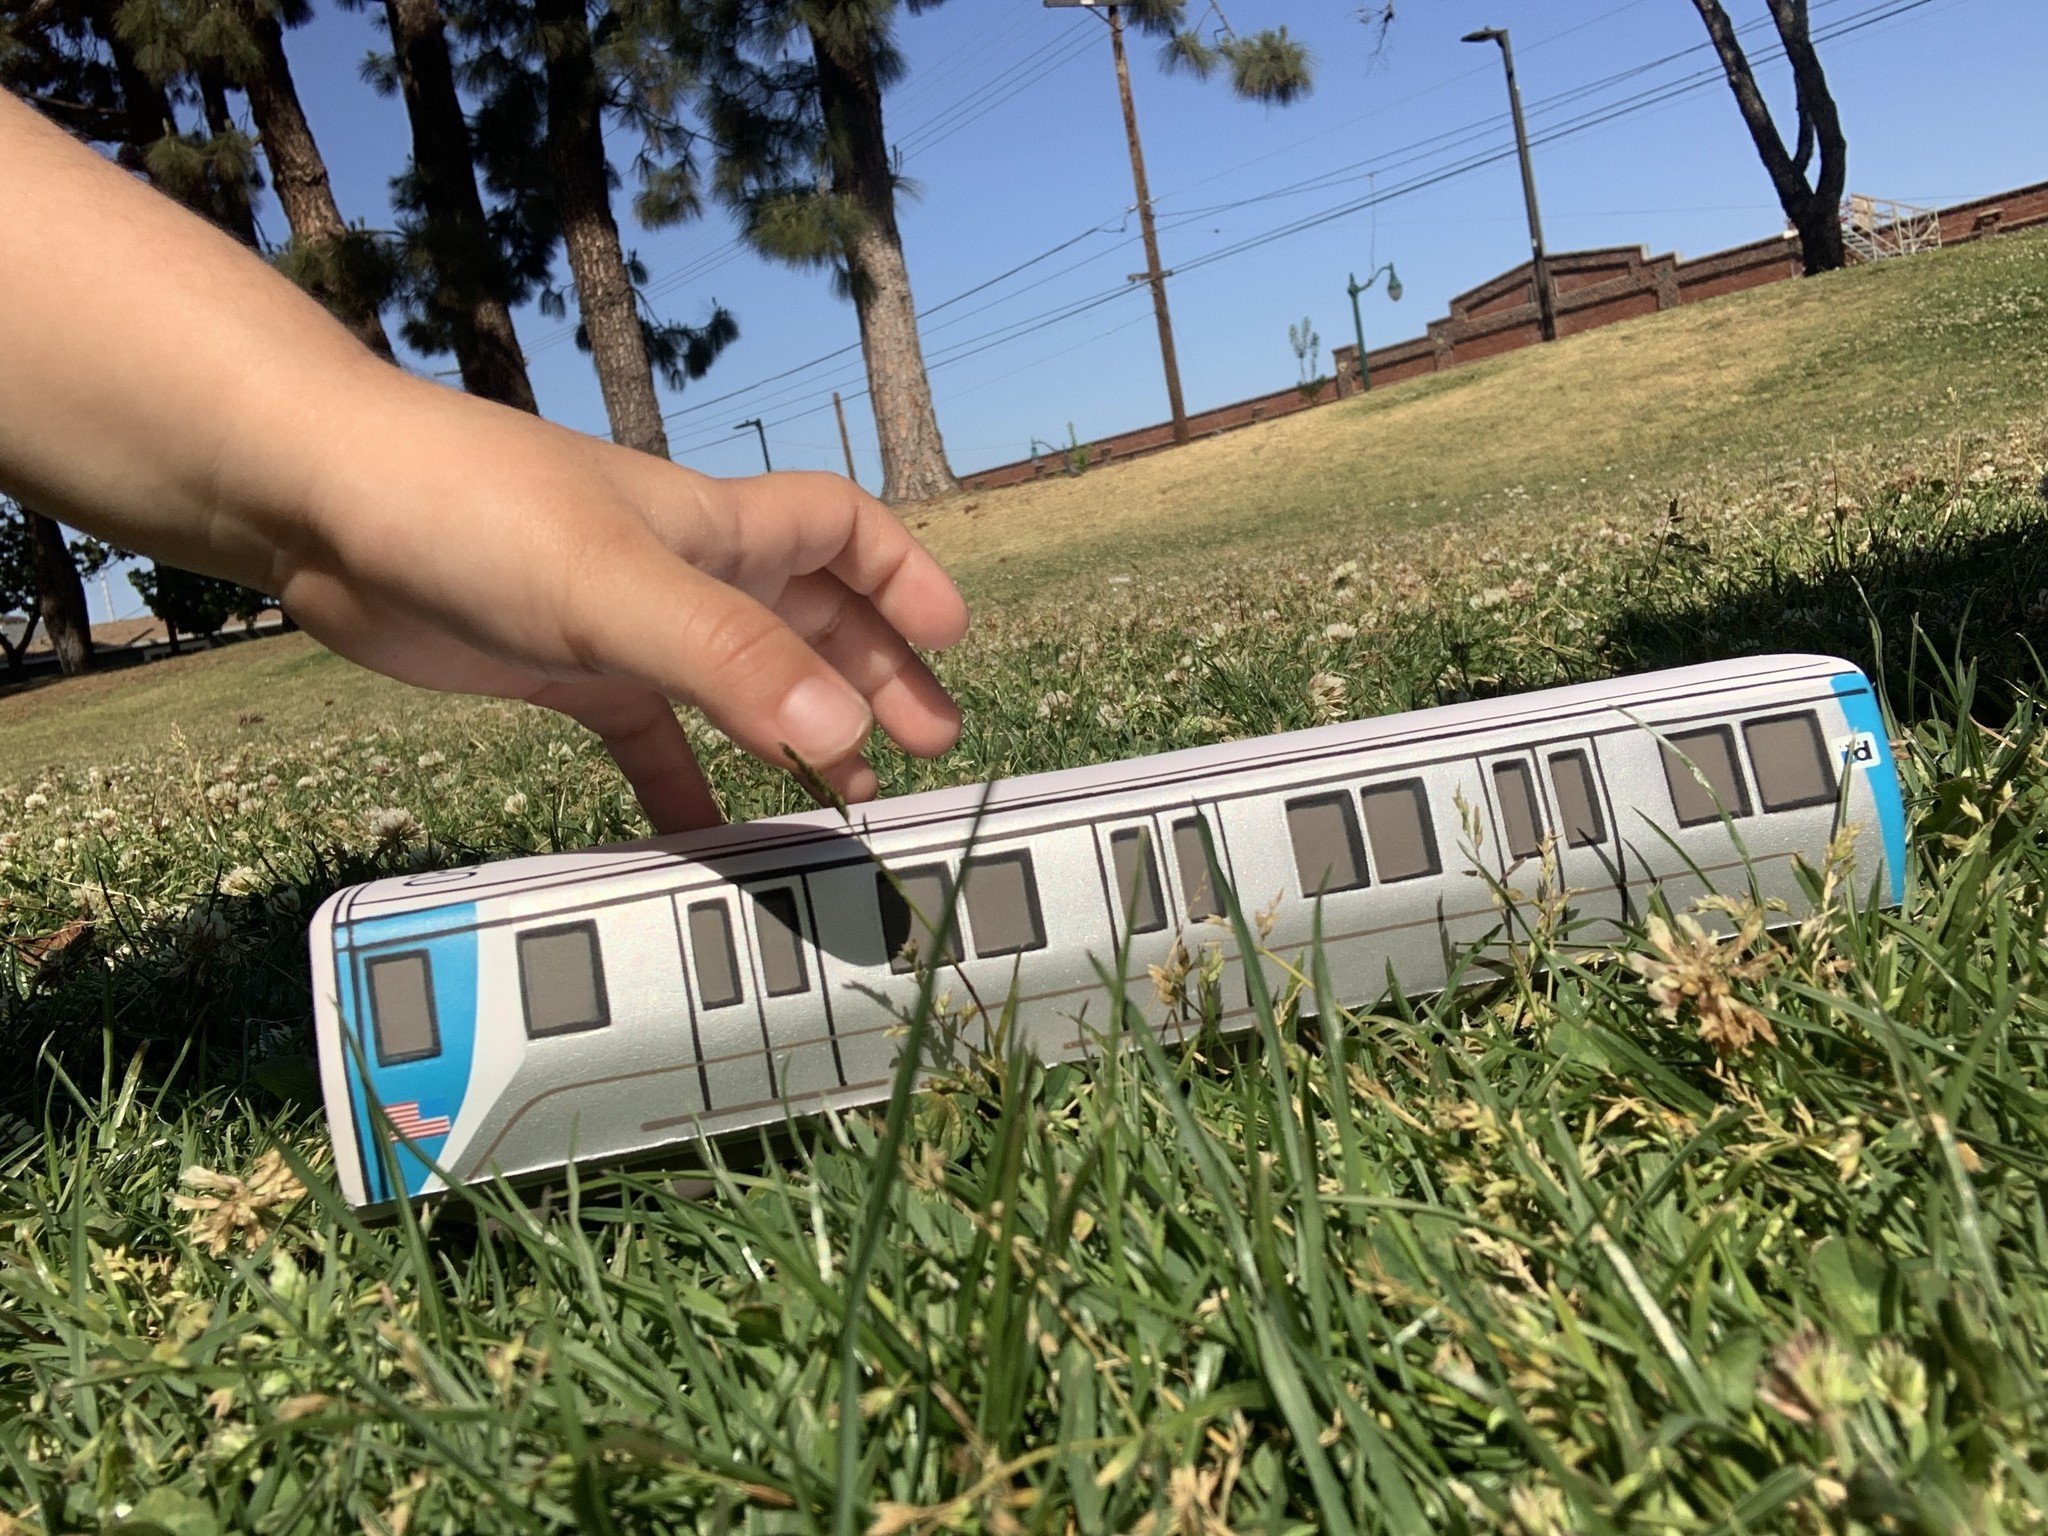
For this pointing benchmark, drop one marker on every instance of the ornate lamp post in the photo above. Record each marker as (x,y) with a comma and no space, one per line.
(1355,289)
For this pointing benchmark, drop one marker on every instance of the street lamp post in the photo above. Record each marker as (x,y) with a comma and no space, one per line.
(762,432)
(1154,274)
(1355,289)
(1546,312)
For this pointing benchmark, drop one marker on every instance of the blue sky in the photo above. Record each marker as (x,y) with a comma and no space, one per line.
(1008,122)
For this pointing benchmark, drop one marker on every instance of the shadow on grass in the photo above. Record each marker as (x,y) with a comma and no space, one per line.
(1904,598)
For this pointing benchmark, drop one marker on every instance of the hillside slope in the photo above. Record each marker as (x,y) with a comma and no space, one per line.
(1616,421)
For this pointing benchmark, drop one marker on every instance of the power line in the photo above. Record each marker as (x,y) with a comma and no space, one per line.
(1885,10)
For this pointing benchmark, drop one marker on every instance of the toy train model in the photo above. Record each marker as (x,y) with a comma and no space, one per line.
(507,1018)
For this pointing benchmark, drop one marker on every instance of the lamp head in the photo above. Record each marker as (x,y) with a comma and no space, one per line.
(1393,282)
(1483,35)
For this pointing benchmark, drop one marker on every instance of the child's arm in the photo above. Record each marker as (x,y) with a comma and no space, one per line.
(164,389)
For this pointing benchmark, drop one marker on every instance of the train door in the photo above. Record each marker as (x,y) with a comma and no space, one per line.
(1144,908)
(1554,837)
(1588,842)
(789,992)
(408,1005)
(734,1070)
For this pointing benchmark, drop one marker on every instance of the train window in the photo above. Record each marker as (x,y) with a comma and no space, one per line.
(1522,817)
(782,942)
(718,967)
(1397,825)
(1137,880)
(1328,855)
(1195,883)
(402,1008)
(1709,754)
(1002,904)
(913,916)
(1578,799)
(1791,762)
(562,980)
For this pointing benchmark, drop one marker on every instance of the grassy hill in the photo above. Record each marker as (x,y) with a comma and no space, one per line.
(1739,1235)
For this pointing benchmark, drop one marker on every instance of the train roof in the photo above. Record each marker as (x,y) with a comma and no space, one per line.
(401,894)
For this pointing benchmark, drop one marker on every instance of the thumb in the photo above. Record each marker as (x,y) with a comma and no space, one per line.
(666,624)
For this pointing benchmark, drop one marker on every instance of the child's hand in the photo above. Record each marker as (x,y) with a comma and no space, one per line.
(459,545)
(161,387)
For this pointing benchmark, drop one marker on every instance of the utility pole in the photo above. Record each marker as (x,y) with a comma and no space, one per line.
(1546,312)
(845,442)
(762,432)
(1154,273)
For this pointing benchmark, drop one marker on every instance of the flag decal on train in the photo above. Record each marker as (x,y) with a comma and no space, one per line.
(407,1122)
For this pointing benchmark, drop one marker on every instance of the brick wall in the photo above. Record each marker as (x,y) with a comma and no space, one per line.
(1590,288)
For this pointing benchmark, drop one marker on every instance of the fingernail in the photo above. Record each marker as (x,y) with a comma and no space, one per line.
(823,721)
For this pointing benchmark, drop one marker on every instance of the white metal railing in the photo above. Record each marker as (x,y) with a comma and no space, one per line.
(1874,228)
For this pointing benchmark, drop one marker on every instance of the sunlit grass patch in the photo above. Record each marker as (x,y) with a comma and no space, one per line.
(1740,1231)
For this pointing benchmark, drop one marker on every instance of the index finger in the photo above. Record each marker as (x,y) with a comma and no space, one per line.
(831,524)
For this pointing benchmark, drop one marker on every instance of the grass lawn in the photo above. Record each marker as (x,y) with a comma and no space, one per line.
(1531,1259)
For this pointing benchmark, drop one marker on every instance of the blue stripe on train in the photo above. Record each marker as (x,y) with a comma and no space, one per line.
(1859,708)
(438,1084)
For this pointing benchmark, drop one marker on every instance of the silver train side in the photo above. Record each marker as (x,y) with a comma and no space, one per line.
(506,1018)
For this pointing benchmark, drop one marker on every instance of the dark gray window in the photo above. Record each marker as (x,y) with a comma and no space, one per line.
(718,967)
(782,942)
(1002,904)
(1515,787)
(1578,799)
(1690,756)
(1791,762)
(402,1008)
(913,918)
(1328,854)
(1195,883)
(1139,900)
(1397,826)
(562,980)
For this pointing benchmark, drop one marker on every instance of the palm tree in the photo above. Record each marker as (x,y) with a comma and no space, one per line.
(803,156)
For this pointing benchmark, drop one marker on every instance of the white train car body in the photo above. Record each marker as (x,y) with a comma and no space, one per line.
(508,1018)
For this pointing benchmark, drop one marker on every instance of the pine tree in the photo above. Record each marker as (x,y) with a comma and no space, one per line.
(548,75)
(793,97)
(463,269)
(240,43)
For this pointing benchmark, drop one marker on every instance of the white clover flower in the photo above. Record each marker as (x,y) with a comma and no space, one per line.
(100,816)
(432,759)
(1110,716)
(1058,702)
(392,824)
(1340,631)
(515,803)
(311,780)
(34,800)
(1326,695)
(242,880)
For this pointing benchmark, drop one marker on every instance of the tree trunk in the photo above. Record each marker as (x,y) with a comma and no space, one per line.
(17,655)
(233,209)
(298,174)
(914,466)
(459,243)
(1814,210)
(60,596)
(582,192)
